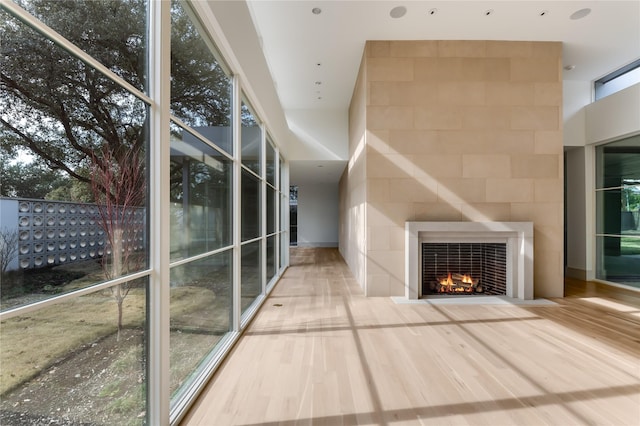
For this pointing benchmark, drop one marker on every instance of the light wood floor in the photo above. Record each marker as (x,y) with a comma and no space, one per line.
(321,353)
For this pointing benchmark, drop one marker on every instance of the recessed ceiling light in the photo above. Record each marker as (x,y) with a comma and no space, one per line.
(316,11)
(488,12)
(569,67)
(433,11)
(398,12)
(544,13)
(579,14)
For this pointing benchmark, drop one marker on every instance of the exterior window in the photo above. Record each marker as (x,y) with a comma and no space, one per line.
(618,211)
(201,198)
(201,88)
(251,140)
(75,214)
(84,286)
(618,80)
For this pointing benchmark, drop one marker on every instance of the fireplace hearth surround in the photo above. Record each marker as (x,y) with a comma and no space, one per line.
(518,237)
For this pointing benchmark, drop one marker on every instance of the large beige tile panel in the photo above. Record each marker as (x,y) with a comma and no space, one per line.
(378,190)
(462,48)
(507,93)
(437,212)
(389,117)
(486,118)
(389,214)
(426,69)
(411,141)
(461,130)
(386,262)
(486,212)
(535,118)
(548,94)
(390,69)
(541,214)
(389,166)
(439,165)
(460,93)
(459,191)
(460,141)
(486,166)
(548,142)
(403,93)
(508,141)
(548,190)
(437,117)
(509,49)
(377,49)
(536,69)
(414,48)
(509,190)
(403,190)
(536,166)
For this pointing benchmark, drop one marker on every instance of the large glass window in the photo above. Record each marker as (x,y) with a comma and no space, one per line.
(201,89)
(74,155)
(618,80)
(251,136)
(201,198)
(83,308)
(251,212)
(251,274)
(78,362)
(201,301)
(118,39)
(618,212)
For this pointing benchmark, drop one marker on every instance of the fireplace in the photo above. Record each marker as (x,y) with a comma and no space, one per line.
(469,258)
(464,268)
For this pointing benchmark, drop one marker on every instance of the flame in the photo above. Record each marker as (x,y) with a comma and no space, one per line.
(447,281)
(467,279)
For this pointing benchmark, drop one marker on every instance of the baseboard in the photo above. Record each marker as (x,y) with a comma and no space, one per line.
(311,244)
(578,274)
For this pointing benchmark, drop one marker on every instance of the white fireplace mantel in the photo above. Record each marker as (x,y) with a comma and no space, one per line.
(517,235)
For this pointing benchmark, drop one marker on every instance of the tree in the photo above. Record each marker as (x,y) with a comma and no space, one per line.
(119,191)
(8,247)
(74,119)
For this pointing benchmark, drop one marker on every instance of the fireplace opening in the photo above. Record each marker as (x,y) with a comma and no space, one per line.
(464,268)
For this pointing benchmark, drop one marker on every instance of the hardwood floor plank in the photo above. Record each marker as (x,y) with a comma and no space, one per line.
(329,356)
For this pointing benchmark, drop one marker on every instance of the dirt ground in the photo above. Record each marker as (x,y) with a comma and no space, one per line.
(102,383)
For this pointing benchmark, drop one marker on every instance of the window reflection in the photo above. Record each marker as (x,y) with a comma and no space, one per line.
(251,135)
(618,211)
(201,197)
(251,274)
(201,90)
(251,215)
(118,38)
(272,266)
(74,165)
(201,307)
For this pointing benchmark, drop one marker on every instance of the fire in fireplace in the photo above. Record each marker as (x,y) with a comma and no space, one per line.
(464,268)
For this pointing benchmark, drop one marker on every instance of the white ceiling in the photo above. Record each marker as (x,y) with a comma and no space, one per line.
(302,48)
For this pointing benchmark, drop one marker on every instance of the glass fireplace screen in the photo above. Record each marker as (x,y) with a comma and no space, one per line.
(464,268)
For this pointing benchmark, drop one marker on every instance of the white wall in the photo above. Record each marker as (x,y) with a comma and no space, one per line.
(318,215)
(575,94)
(322,134)
(614,117)
(578,265)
